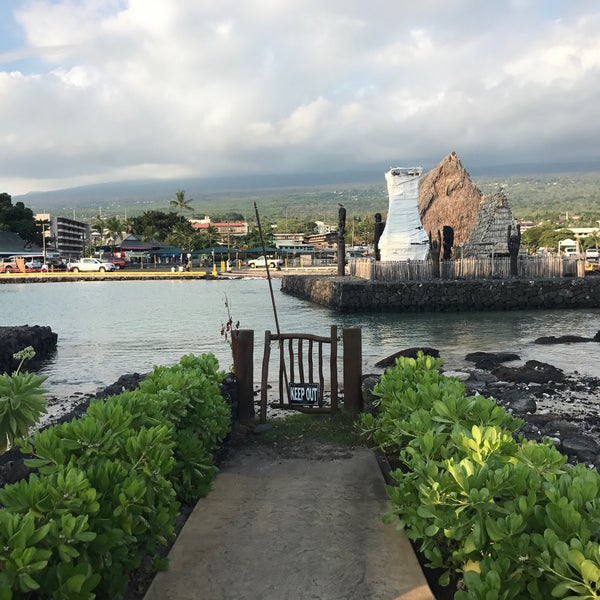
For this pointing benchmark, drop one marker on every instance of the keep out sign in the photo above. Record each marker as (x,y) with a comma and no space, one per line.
(306,394)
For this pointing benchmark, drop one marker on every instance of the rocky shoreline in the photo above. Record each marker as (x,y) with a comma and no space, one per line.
(562,407)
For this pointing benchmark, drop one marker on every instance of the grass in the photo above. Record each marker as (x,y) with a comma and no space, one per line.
(339,429)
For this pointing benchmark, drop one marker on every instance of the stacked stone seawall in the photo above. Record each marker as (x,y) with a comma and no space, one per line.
(351,294)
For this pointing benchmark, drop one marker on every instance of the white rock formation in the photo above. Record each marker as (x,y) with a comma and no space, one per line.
(403,237)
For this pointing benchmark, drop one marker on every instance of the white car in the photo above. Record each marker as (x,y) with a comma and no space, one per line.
(90,264)
(261,262)
(592,253)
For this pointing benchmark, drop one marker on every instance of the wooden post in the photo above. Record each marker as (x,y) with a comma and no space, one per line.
(242,344)
(581,265)
(264,378)
(352,342)
(333,369)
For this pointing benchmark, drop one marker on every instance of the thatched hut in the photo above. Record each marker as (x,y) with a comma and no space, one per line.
(490,233)
(447,196)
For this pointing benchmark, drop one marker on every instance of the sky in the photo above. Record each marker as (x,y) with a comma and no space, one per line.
(94,91)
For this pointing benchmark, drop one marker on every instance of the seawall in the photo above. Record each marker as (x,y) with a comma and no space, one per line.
(352,294)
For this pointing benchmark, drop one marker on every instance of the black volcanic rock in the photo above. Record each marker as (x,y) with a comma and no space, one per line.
(390,361)
(490,360)
(532,372)
(14,339)
(563,339)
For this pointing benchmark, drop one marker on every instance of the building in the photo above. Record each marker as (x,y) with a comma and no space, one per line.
(67,236)
(225,230)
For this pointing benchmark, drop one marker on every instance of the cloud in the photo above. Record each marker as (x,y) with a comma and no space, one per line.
(98,90)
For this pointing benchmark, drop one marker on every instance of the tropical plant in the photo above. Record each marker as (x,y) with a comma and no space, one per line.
(507,514)
(22,401)
(114,229)
(182,235)
(99,227)
(179,202)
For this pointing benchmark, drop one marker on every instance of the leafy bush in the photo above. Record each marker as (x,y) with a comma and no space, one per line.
(480,500)
(22,401)
(107,485)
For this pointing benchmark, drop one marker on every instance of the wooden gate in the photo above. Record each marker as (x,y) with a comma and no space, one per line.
(301,372)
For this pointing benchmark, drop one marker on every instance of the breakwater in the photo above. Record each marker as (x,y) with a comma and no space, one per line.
(352,294)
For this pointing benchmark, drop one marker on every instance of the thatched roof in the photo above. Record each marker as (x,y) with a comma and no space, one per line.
(490,232)
(447,196)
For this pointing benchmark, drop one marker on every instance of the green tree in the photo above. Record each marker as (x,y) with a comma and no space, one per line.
(18,219)
(99,227)
(545,235)
(155,224)
(114,229)
(182,235)
(252,240)
(179,202)
(228,217)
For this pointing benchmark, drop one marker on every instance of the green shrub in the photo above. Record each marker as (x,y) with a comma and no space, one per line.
(106,492)
(479,500)
(22,401)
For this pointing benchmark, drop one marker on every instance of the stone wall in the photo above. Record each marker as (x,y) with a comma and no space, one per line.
(351,294)
(14,339)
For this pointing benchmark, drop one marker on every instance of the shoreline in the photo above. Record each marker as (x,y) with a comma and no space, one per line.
(553,403)
(153,274)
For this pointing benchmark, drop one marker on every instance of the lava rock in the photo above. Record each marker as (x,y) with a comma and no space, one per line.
(390,361)
(13,339)
(582,448)
(533,371)
(563,339)
(490,360)
(368,382)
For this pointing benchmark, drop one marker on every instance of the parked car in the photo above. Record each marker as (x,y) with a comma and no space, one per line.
(262,262)
(8,266)
(33,265)
(120,263)
(591,254)
(90,264)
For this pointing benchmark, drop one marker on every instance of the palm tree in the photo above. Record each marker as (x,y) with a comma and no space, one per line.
(179,202)
(114,229)
(98,227)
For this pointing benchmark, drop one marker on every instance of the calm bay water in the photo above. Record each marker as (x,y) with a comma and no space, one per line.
(108,328)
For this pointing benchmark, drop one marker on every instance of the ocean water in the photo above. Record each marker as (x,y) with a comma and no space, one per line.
(108,328)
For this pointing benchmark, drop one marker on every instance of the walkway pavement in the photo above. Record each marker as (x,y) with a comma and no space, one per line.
(283,527)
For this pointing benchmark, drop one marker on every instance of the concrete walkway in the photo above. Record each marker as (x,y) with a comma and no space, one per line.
(293,528)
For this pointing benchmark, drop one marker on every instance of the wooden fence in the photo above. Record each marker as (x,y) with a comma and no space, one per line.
(528,267)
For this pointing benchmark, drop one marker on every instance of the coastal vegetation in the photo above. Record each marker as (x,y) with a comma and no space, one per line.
(499,516)
(22,401)
(108,486)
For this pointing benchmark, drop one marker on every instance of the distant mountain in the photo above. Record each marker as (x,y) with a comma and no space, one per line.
(125,193)
(298,194)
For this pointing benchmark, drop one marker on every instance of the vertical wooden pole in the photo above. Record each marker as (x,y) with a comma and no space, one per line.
(352,342)
(242,344)
(264,378)
(334,370)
